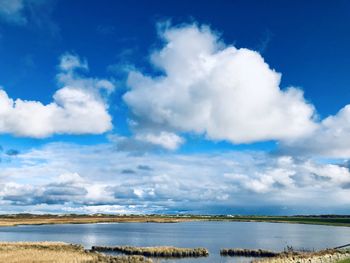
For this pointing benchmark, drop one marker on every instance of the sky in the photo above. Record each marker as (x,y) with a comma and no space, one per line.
(218,107)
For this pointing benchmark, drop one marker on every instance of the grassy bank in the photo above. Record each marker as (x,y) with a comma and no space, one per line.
(52,252)
(28,219)
(167,252)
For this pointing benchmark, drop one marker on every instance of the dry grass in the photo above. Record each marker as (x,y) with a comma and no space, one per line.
(56,252)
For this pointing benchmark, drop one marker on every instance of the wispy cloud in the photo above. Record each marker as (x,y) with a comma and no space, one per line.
(12,11)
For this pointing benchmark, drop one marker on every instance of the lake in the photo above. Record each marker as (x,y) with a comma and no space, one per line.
(211,235)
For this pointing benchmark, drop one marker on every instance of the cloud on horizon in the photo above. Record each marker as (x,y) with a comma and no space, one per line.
(73,178)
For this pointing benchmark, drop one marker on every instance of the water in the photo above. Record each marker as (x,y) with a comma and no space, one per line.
(211,235)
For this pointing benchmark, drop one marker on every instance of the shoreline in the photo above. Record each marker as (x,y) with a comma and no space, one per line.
(19,220)
(28,252)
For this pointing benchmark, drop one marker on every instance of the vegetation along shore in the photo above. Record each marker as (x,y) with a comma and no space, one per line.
(30,219)
(55,252)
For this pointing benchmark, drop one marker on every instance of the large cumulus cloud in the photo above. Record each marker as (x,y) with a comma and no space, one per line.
(210,88)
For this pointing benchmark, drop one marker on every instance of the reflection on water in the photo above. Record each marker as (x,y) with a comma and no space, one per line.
(211,235)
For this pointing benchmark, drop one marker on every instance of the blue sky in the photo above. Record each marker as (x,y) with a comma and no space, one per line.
(124,107)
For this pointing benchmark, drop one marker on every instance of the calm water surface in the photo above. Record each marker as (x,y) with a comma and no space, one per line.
(211,235)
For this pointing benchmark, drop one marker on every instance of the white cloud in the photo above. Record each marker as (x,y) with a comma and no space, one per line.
(167,140)
(331,139)
(147,141)
(69,178)
(70,62)
(286,174)
(12,11)
(217,90)
(78,107)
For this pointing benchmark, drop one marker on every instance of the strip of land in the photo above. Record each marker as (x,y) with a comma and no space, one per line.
(30,219)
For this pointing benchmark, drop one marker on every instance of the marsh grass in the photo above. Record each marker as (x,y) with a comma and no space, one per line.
(168,252)
(57,252)
(247,252)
